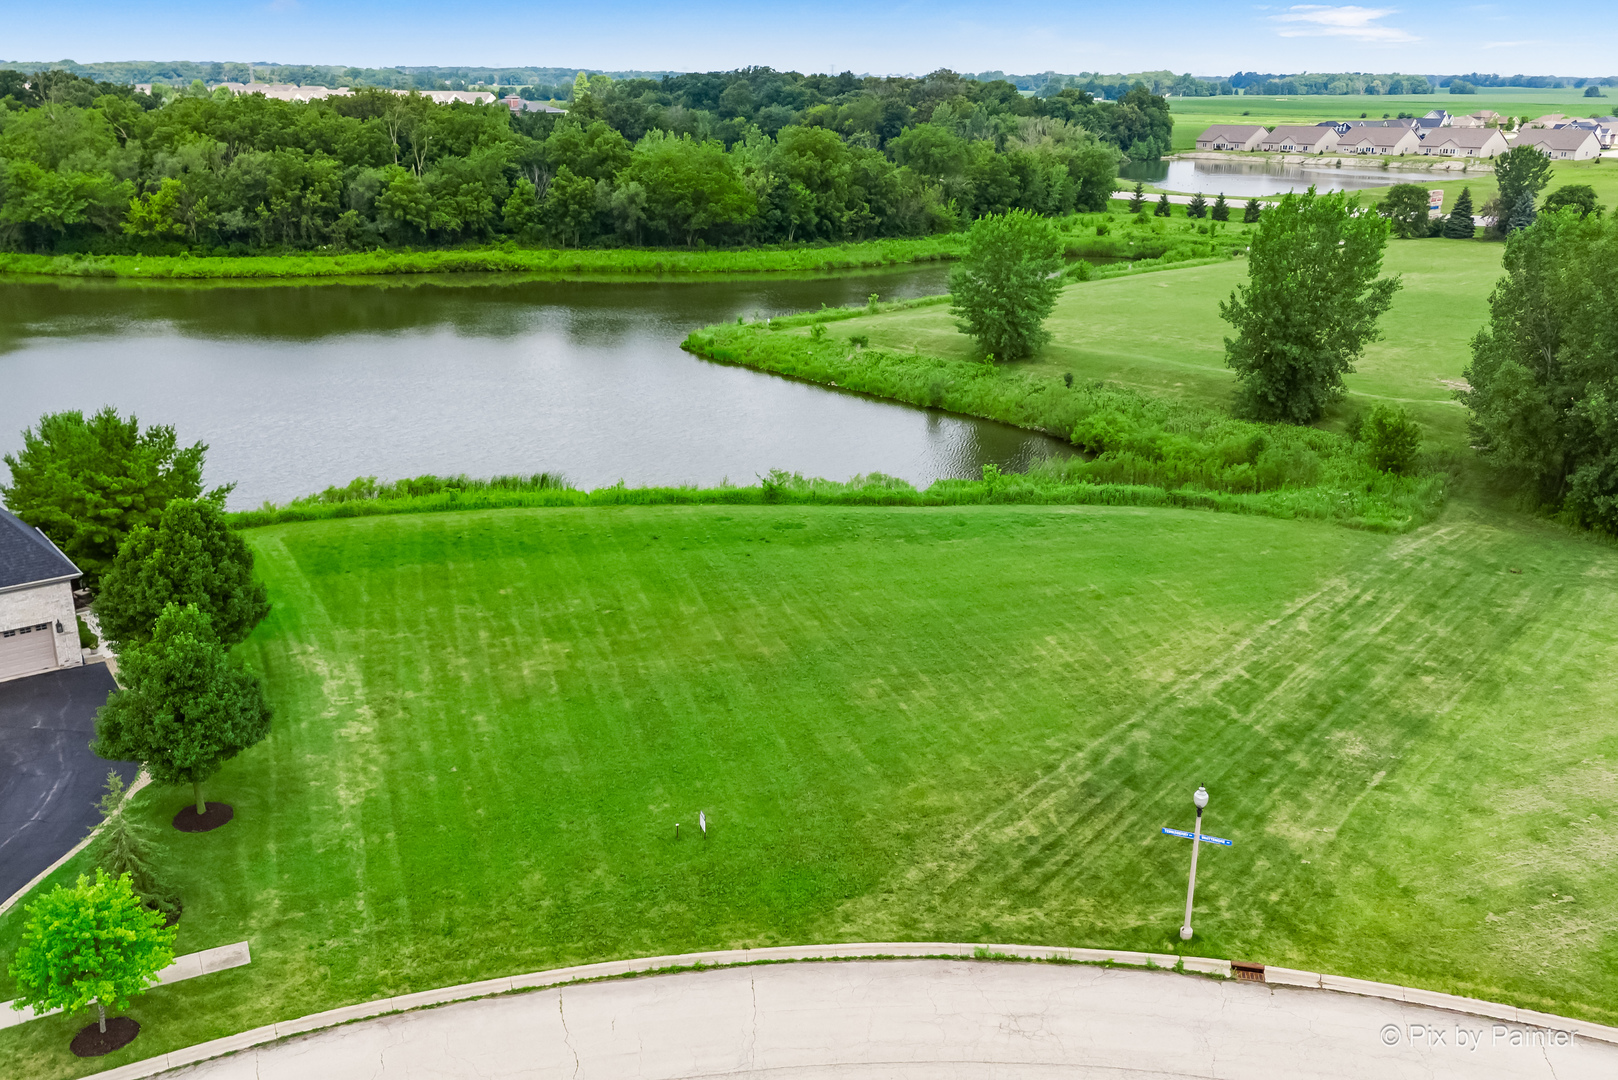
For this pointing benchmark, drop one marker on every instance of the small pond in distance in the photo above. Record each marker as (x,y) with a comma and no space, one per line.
(1244,179)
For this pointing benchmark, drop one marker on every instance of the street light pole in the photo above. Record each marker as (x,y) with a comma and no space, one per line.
(1200,801)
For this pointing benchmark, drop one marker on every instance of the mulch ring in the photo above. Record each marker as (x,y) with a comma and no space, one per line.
(93,1042)
(188,820)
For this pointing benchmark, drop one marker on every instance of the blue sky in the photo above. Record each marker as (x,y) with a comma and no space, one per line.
(831,35)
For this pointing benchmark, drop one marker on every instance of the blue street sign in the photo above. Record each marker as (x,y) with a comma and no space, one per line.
(1206,839)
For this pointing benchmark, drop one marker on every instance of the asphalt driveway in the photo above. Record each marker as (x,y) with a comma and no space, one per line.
(50,782)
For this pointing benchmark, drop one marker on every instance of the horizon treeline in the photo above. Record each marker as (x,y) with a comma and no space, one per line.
(749,157)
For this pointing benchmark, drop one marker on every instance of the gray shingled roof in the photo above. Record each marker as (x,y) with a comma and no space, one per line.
(26,556)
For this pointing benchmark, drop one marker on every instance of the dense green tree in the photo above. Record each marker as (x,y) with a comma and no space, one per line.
(1581,197)
(569,208)
(1309,307)
(1220,211)
(1405,206)
(1197,207)
(1520,169)
(691,187)
(192,557)
(91,943)
(1543,380)
(1162,208)
(184,710)
(1006,284)
(1252,211)
(1459,224)
(89,483)
(124,848)
(1391,439)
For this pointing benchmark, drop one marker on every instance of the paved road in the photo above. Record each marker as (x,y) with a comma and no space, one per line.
(50,782)
(915,1019)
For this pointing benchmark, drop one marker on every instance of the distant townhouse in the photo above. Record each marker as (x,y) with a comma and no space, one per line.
(1604,128)
(1562,144)
(1299,139)
(1342,127)
(1466,122)
(1549,120)
(1464,142)
(521,105)
(1231,137)
(1379,140)
(1486,117)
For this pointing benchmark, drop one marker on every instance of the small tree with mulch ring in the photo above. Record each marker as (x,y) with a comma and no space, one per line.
(186,710)
(124,846)
(94,943)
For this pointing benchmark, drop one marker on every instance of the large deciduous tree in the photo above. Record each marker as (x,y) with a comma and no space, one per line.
(1405,206)
(1544,374)
(1520,170)
(1006,284)
(185,709)
(1309,307)
(192,557)
(94,943)
(89,483)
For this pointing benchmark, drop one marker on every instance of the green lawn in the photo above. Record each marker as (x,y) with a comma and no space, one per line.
(1161,332)
(950,724)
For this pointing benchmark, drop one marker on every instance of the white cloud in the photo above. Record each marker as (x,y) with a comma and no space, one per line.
(1350,21)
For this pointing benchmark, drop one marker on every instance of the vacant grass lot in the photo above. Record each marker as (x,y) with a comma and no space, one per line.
(1161,332)
(916,724)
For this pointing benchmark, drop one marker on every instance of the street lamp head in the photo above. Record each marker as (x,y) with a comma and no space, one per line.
(1200,799)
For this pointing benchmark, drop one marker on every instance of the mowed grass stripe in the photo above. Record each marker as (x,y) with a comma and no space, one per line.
(928,724)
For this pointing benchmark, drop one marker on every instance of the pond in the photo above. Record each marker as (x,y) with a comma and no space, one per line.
(298,386)
(1244,179)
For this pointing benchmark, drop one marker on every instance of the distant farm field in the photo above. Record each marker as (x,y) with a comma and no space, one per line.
(948,724)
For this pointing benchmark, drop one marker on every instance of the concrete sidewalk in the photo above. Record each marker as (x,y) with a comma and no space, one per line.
(909,1019)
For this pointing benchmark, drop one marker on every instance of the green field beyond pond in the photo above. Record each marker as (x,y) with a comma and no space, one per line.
(1161,333)
(918,724)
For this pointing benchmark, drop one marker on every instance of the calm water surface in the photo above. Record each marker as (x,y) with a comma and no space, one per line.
(1244,179)
(295,387)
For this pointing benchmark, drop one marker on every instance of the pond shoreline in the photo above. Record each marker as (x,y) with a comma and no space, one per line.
(626,262)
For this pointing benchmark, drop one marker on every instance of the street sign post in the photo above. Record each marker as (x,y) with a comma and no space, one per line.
(1200,801)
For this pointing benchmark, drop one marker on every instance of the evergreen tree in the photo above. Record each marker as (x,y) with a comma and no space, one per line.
(1251,214)
(1162,208)
(124,846)
(1138,199)
(1197,207)
(1221,209)
(1459,226)
(1523,214)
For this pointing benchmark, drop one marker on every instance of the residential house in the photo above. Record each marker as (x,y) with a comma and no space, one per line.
(1549,120)
(1487,117)
(1604,127)
(519,105)
(1231,137)
(38,629)
(1466,122)
(1299,139)
(1464,142)
(1562,144)
(1379,140)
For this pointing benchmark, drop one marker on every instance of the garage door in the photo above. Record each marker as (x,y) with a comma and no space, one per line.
(27,649)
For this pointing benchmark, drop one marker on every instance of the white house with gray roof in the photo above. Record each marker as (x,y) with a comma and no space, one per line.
(1231,137)
(1379,140)
(1464,142)
(1562,144)
(1300,139)
(38,629)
